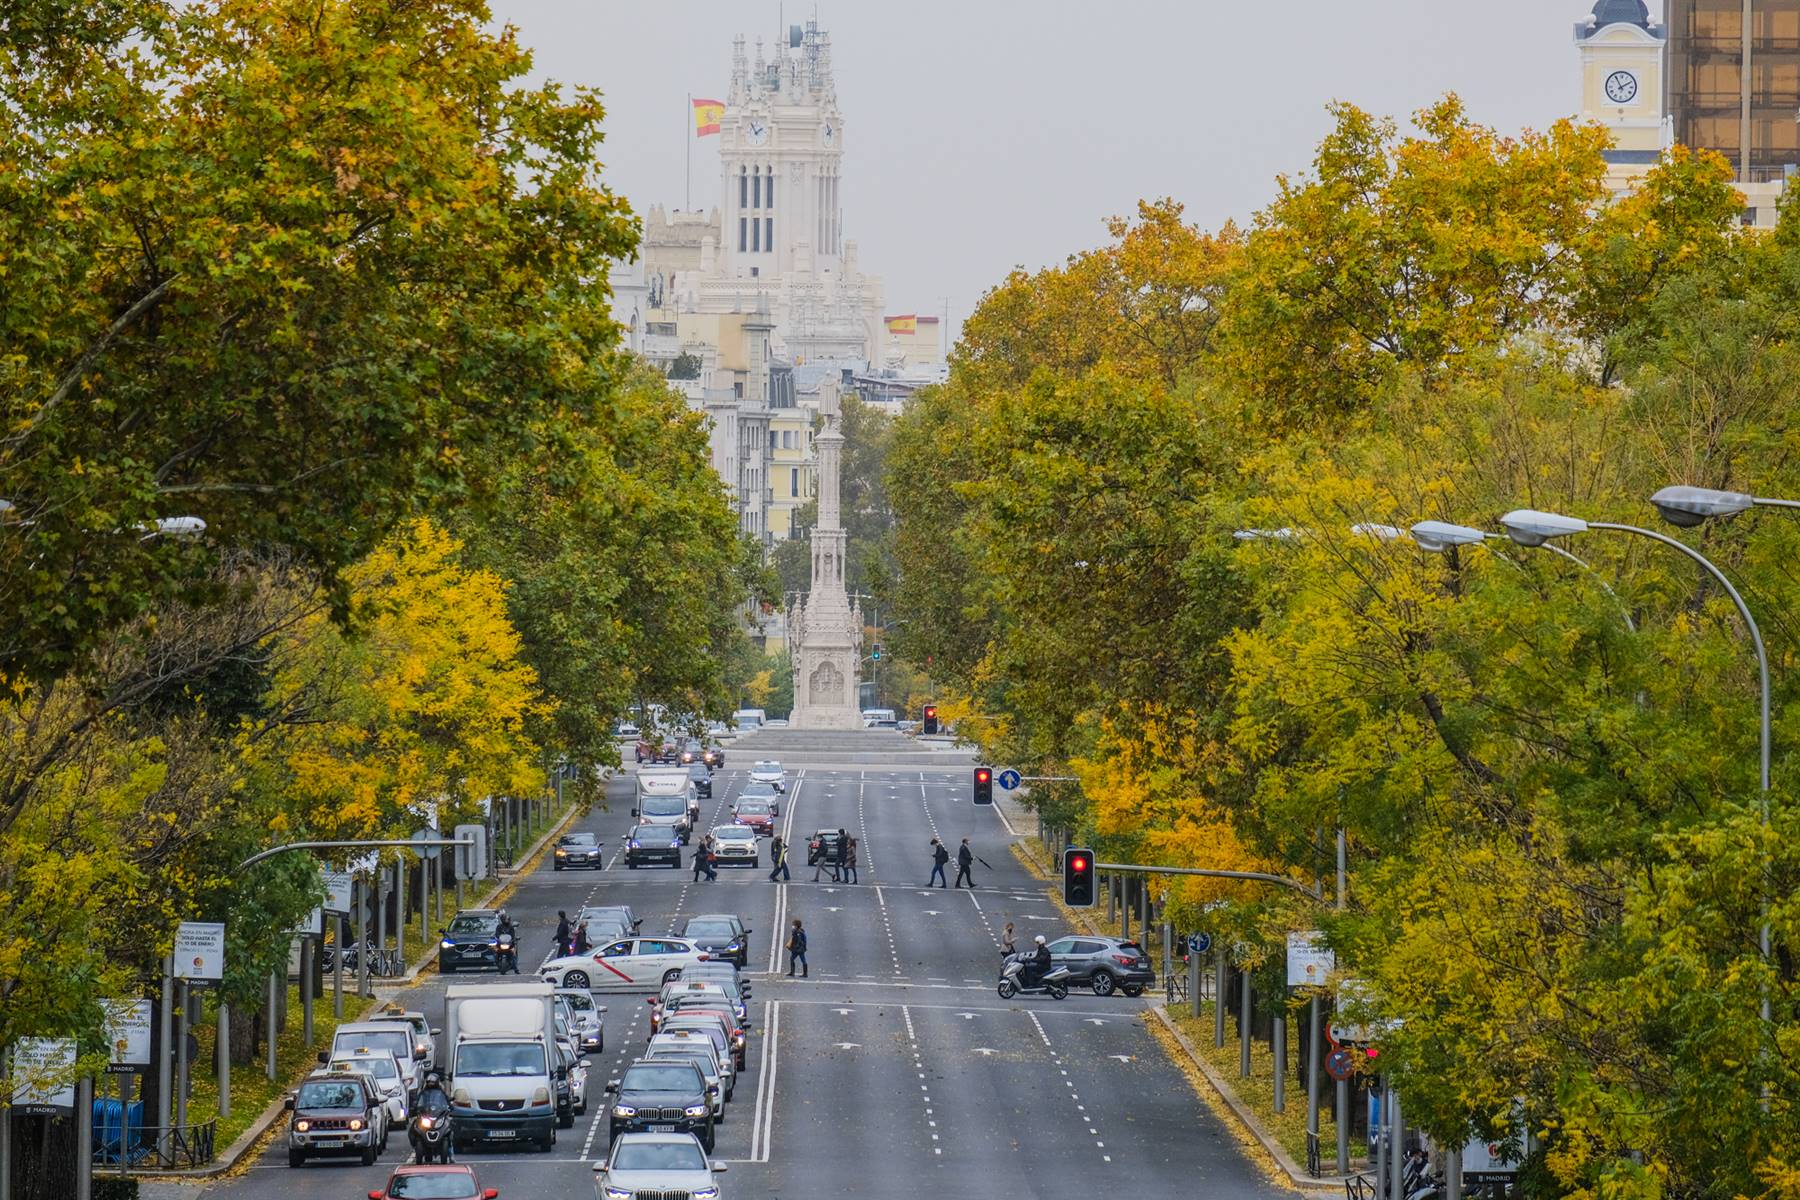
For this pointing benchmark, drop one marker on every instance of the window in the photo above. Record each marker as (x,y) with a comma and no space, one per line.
(756,189)
(769,232)
(741,246)
(771,439)
(743,188)
(769,197)
(793,481)
(755,234)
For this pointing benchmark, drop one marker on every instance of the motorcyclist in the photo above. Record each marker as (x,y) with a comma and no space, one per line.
(508,939)
(1037,965)
(434,1102)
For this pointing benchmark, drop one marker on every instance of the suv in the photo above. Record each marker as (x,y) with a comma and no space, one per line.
(662,1097)
(336,1113)
(702,777)
(653,843)
(721,935)
(1105,964)
(470,940)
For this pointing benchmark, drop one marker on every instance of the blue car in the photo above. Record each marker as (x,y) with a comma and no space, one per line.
(470,940)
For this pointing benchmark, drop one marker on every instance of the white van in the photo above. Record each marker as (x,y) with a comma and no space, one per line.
(878,718)
(666,796)
(748,718)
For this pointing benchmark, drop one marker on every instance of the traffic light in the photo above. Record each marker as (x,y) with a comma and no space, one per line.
(984,785)
(1078,877)
(931,721)
(875,652)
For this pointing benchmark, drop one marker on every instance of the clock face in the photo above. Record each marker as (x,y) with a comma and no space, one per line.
(1621,87)
(756,132)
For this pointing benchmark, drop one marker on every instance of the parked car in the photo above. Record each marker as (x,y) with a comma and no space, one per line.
(579,850)
(335,1115)
(1104,963)
(656,1164)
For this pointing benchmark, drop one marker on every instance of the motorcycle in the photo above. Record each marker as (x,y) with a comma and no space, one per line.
(430,1136)
(506,954)
(1012,981)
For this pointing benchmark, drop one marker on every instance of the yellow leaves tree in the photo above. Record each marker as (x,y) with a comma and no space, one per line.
(421,702)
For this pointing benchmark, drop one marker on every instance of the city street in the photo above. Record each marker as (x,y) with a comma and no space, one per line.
(894,1070)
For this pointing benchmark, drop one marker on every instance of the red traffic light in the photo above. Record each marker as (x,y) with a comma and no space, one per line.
(931,710)
(1077,863)
(982,774)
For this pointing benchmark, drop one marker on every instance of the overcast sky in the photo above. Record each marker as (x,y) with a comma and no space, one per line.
(984,134)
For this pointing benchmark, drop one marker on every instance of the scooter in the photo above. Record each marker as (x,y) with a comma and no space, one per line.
(1012,981)
(430,1136)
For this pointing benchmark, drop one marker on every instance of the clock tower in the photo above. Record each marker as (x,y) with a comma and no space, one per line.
(1623,50)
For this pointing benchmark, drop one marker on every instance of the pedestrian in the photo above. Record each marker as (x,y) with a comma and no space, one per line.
(778,860)
(562,934)
(939,856)
(796,948)
(823,860)
(581,944)
(1008,943)
(840,855)
(712,861)
(850,863)
(700,857)
(965,858)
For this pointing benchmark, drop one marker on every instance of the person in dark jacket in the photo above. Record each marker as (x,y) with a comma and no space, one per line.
(581,944)
(796,948)
(850,862)
(778,854)
(562,934)
(840,855)
(939,856)
(965,858)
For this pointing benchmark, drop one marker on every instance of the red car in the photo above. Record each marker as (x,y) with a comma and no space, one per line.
(757,814)
(442,1181)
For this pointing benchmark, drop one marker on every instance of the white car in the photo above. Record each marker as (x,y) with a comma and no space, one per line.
(640,964)
(735,845)
(656,1164)
(768,771)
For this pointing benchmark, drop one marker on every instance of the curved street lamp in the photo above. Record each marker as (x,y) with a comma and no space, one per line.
(1440,536)
(1687,506)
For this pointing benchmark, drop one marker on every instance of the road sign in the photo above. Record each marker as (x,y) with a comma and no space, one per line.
(428,853)
(200,951)
(471,861)
(1309,959)
(127,1025)
(1340,1064)
(43,1072)
(1199,943)
(1008,779)
(337,891)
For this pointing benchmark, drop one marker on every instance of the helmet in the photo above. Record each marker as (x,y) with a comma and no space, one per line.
(1040,939)
(433,1079)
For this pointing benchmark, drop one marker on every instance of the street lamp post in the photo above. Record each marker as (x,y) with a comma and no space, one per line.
(1440,536)
(1687,507)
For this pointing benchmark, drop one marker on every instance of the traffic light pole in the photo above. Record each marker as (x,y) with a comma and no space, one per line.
(1211,873)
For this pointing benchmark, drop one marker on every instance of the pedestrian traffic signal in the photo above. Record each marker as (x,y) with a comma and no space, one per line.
(931,720)
(875,652)
(984,785)
(1078,877)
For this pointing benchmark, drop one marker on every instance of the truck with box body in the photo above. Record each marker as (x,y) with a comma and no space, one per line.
(500,1042)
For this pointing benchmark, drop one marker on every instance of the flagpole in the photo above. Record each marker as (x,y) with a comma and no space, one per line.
(687,198)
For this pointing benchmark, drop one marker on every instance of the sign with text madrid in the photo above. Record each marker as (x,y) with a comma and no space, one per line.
(1309,959)
(127,1034)
(43,1076)
(200,951)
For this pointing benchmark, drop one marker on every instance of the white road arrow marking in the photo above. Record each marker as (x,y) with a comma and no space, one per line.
(985,1050)
(841,1011)
(1095,1020)
(849,1045)
(833,908)
(1035,917)
(932,912)
(1124,1058)
(966,1016)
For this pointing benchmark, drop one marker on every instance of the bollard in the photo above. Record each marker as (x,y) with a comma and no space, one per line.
(1194,974)
(269,1026)
(84,1138)
(1315,1064)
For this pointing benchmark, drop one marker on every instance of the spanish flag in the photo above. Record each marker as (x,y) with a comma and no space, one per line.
(908,324)
(707,114)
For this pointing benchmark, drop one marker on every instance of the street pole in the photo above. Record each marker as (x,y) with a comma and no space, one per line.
(1220,970)
(1396,1157)
(1243,1023)
(1341,1092)
(183,1023)
(358,897)
(272,1028)
(306,990)
(1314,1064)
(1194,975)
(6,1129)
(1279,1025)
(165,1080)
(337,968)
(1376,1136)
(381,889)
(84,1138)
(125,1082)
(222,1052)
(400,913)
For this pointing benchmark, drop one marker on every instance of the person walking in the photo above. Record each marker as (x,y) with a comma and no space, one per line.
(850,863)
(580,945)
(965,858)
(839,857)
(1009,945)
(562,934)
(700,856)
(778,853)
(824,860)
(939,856)
(712,860)
(796,948)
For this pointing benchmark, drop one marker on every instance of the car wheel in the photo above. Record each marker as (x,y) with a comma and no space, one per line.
(576,979)
(445,968)
(548,1141)
(566,1120)
(369,1154)
(631,863)
(1134,990)
(296,1158)
(728,1092)
(1006,989)
(556,866)
(1103,983)
(671,975)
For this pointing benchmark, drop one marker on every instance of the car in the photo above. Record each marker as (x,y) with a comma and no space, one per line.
(626,729)
(776,723)
(755,812)
(434,1181)
(822,844)
(383,1035)
(714,756)
(619,912)
(1103,963)
(735,845)
(653,843)
(470,940)
(656,1164)
(721,935)
(670,1019)
(334,1115)
(601,930)
(384,1069)
(661,1097)
(702,777)
(657,750)
(721,971)
(688,993)
(424,1033)
(579,850)
(715,1026)
(705,1060)
(766,793)
(635,963)
(695,1041)
(693,751)
(590,1019)
(769,771)
(570,1081)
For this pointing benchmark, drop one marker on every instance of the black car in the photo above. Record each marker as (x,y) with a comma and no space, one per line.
(470,940)
(702,779)
(579,850)
(693,752)
(722,935)
(823,844)
(653,843)
(1105,964)
(714,757)
(660,1096)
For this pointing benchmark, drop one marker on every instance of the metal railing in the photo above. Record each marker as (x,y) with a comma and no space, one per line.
(186,1145)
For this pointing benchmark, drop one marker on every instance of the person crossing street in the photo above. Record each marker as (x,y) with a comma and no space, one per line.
(939,856)
(778,856)
(965,859)
(796,948)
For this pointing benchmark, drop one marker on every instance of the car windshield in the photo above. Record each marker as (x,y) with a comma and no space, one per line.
(380,1068)
(709,929)
(499,1058)
(760,791)
(658,1079)
(658,1156)
(580,1001)
(332,1093)
(397,1040)
(580,839)
(747,807)
(433,1185)
(650,831)
(734,833)
(664,806)
(466,925)
(699,771)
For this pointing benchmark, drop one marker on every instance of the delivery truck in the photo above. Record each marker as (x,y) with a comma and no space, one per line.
(500,1040)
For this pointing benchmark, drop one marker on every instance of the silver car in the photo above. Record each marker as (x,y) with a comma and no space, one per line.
(381,1066)
(769,771)
(656,1164)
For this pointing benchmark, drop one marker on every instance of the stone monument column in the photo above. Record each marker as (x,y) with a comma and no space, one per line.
(827,657)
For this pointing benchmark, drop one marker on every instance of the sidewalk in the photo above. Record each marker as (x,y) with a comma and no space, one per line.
(168,1185)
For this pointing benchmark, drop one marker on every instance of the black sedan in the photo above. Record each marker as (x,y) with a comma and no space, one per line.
(470,940)
(702,779)
(579,850)
(721,935)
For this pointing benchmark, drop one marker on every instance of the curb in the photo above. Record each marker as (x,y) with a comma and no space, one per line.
(258,1129)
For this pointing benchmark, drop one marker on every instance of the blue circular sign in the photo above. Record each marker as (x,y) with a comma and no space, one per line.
(1199,943)
(1009,779)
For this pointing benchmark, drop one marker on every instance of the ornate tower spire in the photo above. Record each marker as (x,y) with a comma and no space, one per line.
(740,72)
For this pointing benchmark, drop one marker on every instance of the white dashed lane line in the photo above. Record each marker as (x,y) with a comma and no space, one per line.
(1069,1084)
(912,1039)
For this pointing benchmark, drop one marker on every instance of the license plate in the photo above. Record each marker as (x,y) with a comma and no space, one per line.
(662,1129)
(329,1143)
(503,1133)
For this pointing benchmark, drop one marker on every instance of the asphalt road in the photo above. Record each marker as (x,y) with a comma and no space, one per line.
(895,1070)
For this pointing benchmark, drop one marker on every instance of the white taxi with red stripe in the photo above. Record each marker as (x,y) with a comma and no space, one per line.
(630,964)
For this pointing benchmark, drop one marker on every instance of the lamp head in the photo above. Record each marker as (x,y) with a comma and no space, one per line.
(1690,506)
(1381,533)
(1439,536)
(1531,527)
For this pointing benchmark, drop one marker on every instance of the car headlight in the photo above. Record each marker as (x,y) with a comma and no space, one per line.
(634,843)
(624,1110)
(613,1193)
(734,945)
(561,853)
(674,842)
(696,1110)
(302,1126)
(355,1123)
(705,1193)
(447,944)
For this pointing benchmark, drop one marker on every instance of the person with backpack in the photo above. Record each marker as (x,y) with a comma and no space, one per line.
(778,855)
(939,856)
(796,948)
